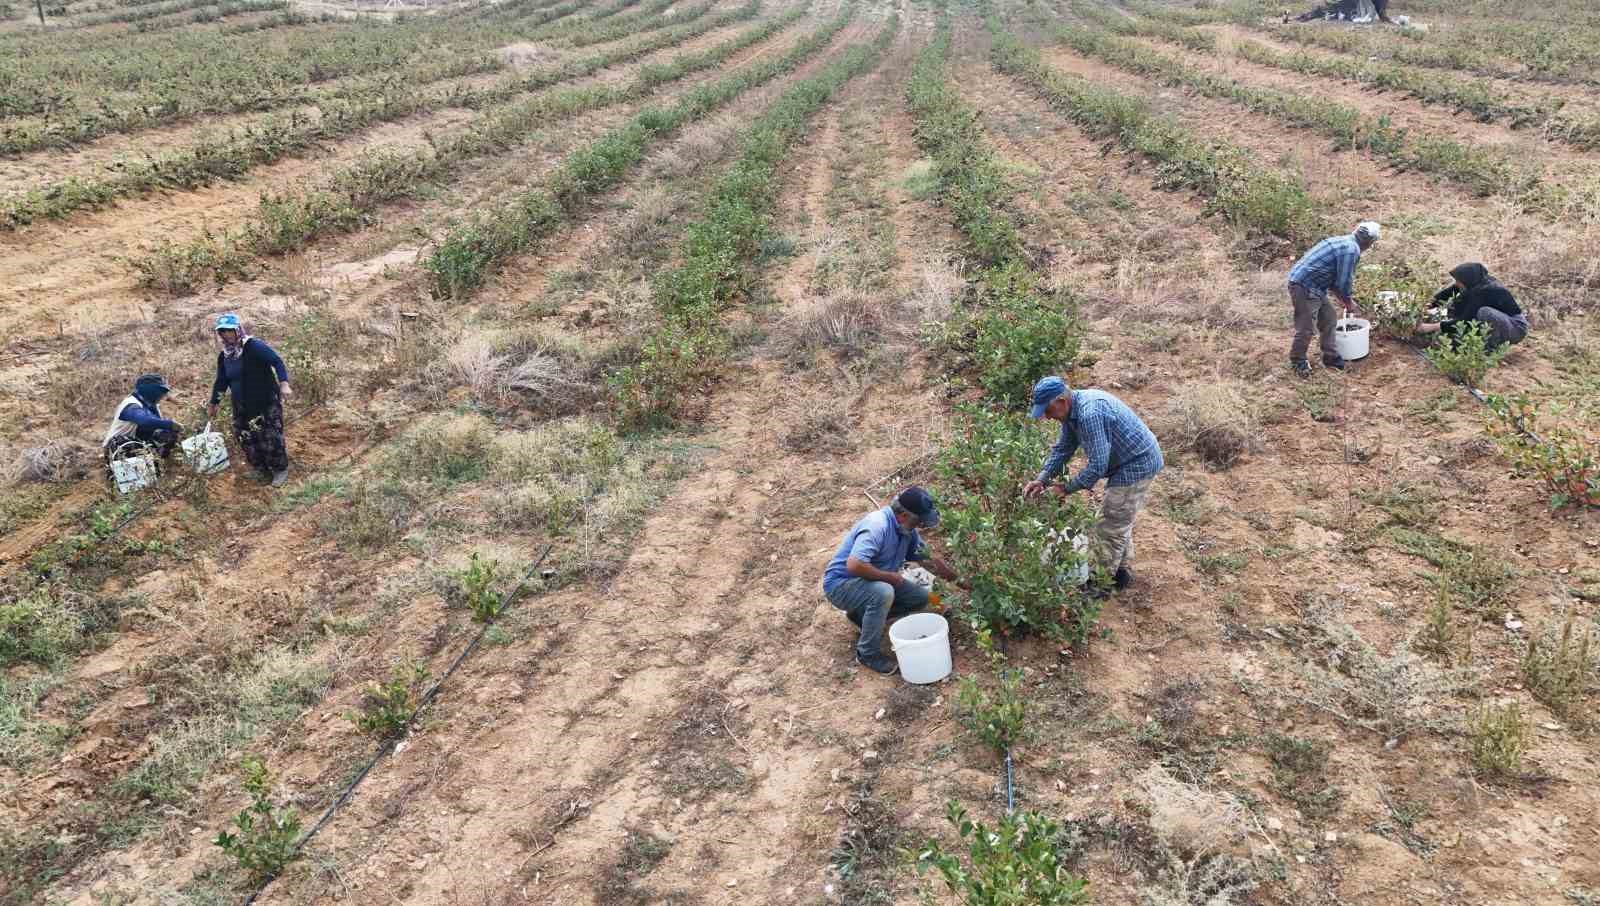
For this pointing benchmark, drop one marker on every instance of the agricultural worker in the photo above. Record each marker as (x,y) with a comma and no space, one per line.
(1476,297)
(258,382)
(138,418)
(864,579)
(1330,266)
(1117,447)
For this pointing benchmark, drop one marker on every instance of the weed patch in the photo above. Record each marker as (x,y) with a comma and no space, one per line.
(1559,668)
(1498,737)
(1299,774)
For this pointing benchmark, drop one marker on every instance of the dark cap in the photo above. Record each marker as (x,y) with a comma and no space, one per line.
(1044,393)
(151,386)
(919,503)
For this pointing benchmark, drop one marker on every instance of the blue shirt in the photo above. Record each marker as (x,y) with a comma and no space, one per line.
(1331,264)
(877,539)
(1116,444)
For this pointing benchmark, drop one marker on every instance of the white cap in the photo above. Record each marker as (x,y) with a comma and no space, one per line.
(1371,228)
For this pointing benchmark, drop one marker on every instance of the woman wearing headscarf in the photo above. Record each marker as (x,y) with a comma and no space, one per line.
(1476,297)
(257,381)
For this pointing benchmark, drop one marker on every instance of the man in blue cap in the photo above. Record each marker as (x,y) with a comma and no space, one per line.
(864,579)
(1116,446)
(138,418)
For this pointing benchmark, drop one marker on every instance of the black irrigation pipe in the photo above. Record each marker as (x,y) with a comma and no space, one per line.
(1011,798)
(388,746)
(1480,396)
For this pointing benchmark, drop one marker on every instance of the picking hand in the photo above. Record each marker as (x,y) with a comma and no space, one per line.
(285,390)
(1032,489)
(211,411)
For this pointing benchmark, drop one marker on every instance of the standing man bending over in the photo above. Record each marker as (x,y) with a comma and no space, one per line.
(1330,266)
(1117,447)
(864,580)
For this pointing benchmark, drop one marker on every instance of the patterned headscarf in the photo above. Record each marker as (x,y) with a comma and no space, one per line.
(241,336)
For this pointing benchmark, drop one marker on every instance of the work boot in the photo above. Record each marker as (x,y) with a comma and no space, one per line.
(1122,578)
(1336,363)
(278,478)
(1301,367)
(880,662)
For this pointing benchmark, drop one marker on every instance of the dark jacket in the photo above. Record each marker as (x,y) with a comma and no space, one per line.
(252,379)
(1481,291)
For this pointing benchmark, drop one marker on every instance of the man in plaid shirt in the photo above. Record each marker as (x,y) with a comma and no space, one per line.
(1330,266)
(1117,447)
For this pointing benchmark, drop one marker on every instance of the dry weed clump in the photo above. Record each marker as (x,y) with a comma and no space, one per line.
(1188,818)
(55,462)
(498,371)
(848,325)
(1206,880)
(1392,694)
(940,286)
(1215,420)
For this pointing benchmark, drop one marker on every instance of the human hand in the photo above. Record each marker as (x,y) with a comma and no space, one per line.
(285,390)
(1059,491)
(1032,489)
(211,411)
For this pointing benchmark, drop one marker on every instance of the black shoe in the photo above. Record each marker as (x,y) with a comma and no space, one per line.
(1301,367)
(881,663)
(1336,363)
(1122,578)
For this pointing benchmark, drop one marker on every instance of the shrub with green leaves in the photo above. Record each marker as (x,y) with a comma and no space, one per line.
(1018,554)
(387,707)
(995,715)
(477,589)
(1499,736)
(1466,357)
(1413,285)
(1014,863)
(1560,456)
(266,837)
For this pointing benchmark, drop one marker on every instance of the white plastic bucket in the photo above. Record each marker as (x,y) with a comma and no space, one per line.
(1351,336)
(922,646)
(206,452)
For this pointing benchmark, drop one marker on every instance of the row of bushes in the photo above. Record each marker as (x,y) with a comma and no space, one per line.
(292,220)
(714,268)
(470,252)
(1261,201)
(1132,27)
(1479,170)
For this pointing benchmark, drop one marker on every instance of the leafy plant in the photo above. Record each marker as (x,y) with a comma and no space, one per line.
(1559,669)
(266,837)
(1563,458)
(1466,357)
(388,707)
(1499,736)
(1412,286)
(1019,555)
(995,716)
(477,588)
(1014,863)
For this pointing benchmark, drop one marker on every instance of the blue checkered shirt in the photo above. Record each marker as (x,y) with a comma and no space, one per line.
(1331,264)
(1116,444)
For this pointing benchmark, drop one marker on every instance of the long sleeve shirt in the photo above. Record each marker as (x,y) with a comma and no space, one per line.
(1116,445)
(147,417)
(252,377)
(1331,264)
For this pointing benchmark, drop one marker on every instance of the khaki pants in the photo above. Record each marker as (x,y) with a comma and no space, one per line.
(1311,314)
(1113,533)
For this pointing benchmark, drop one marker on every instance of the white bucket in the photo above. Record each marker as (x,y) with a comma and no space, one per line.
(922,646)
(1350,338)
(206,452)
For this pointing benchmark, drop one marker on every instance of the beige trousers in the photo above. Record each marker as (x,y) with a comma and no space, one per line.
(1113,532)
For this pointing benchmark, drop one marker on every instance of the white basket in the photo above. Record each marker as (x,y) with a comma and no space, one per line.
(206,452)
(133,467)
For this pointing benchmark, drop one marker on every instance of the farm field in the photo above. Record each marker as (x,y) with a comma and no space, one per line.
(606,318)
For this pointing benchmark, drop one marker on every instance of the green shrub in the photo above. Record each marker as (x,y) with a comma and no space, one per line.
(477,589)
(1559,669)
(267,835)
(1017,554)
(387,707)
(1020,333)
(1562,457)
(995,716)
(1499,736)
(1412,281)
(1016,862)
(1466,357)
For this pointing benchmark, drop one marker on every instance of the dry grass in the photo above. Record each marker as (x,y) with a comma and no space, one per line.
(519,368)
(56,462)
(940,285)
(1214,419)
(1188,818)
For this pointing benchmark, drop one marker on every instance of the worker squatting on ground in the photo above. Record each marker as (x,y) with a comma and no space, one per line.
(258,382)
(1357,10)
(1476,297)
(1330,266)
(1117,447)
(864,579)
(138,418)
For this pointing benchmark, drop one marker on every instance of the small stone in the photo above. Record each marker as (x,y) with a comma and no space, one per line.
(1563,570)
(1551,726)
(1274,824)
(616,676)
(881,712)
(871,755)
(733,883)
(834,775)
(1300,859)
(632,737)
(1331,837)
(827,889)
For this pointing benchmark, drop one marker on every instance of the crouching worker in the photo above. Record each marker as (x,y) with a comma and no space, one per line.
(138,418)
(258,382)
(864,579)
(1477,298)
(1117,447)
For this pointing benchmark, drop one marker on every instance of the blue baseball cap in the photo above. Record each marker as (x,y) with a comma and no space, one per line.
(1045,393)
(919,503)
(229,321)
(151,387)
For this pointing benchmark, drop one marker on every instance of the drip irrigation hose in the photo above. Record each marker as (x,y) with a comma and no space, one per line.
(1011,796)
(388,745)
(1480,396)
